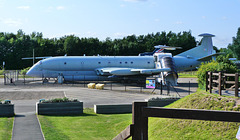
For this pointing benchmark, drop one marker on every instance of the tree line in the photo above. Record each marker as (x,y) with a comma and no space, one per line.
(14,47)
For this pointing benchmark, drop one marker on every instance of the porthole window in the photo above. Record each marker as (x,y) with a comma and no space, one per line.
(148,62)
(65,63)
(125,62)
(99,62)
(120,62)
(131,62)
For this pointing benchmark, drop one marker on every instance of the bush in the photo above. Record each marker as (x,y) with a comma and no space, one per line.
(5,102)
(222,63)
(162,99)
(1,72)
(24,71)
(59,100)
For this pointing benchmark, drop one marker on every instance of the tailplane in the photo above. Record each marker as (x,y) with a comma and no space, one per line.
(203,50)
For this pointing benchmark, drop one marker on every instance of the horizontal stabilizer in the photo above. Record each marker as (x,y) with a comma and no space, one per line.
(26,58)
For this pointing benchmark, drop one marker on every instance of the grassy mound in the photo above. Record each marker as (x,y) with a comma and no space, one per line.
(161,128)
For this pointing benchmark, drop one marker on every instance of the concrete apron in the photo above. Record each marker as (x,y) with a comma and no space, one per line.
(26,125)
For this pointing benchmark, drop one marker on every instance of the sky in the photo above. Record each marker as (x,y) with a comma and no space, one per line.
(120,18)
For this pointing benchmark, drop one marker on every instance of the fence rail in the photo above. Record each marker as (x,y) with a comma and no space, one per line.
(220,81)
(139,127)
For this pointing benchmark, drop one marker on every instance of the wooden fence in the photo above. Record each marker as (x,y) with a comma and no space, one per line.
(139,127)
(220,81)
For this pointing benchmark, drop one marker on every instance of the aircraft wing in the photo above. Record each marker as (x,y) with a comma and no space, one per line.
(209,57)
(129,71)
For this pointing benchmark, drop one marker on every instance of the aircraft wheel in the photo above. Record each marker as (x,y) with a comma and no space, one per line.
(45,80)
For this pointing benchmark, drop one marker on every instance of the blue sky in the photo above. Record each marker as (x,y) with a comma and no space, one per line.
(119,18)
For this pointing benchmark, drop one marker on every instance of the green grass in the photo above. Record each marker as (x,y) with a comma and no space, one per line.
(98,126)
(6,125)
(162,128)
(86,127)
(191,74)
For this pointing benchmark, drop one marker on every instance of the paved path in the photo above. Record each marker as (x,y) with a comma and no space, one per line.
(26,125)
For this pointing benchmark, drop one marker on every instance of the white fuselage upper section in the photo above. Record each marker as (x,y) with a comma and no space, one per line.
(87,65)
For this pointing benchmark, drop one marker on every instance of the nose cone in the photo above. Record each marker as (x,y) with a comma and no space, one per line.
(34,71)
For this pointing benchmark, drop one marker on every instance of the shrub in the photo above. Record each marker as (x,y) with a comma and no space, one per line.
(5,102)
(1,71)
(24,71)
(59,100)
(222,63)
(162,99)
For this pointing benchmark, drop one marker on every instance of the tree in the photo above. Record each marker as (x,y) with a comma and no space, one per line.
(235,46)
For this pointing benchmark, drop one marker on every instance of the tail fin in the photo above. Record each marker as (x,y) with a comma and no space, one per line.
(205,49)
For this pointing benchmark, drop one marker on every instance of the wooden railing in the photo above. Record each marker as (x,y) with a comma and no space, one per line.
(218,81)
(139,127)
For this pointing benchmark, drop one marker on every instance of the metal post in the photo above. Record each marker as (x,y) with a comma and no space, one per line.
(236,84)
(4,79)
(168,88)
(84,80)
(125,87)
(161,87)
(24,79)
(111,85)
(72,80)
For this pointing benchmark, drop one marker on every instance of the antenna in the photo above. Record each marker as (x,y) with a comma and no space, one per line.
(33,57)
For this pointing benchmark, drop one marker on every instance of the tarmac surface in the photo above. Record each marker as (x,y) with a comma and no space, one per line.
(25,96)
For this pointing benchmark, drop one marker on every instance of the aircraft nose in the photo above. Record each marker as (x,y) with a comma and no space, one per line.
(31,72)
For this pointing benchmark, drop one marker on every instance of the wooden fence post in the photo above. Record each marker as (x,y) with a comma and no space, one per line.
(220,83)
(236,84)
(207,81)
(210,82)
(140,131)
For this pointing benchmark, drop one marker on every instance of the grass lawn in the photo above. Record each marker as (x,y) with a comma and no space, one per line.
(86,127)
(6,125)
(101,127)
(162,128)
(190,74)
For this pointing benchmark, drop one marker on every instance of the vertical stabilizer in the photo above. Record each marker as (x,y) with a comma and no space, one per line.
(205,49)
